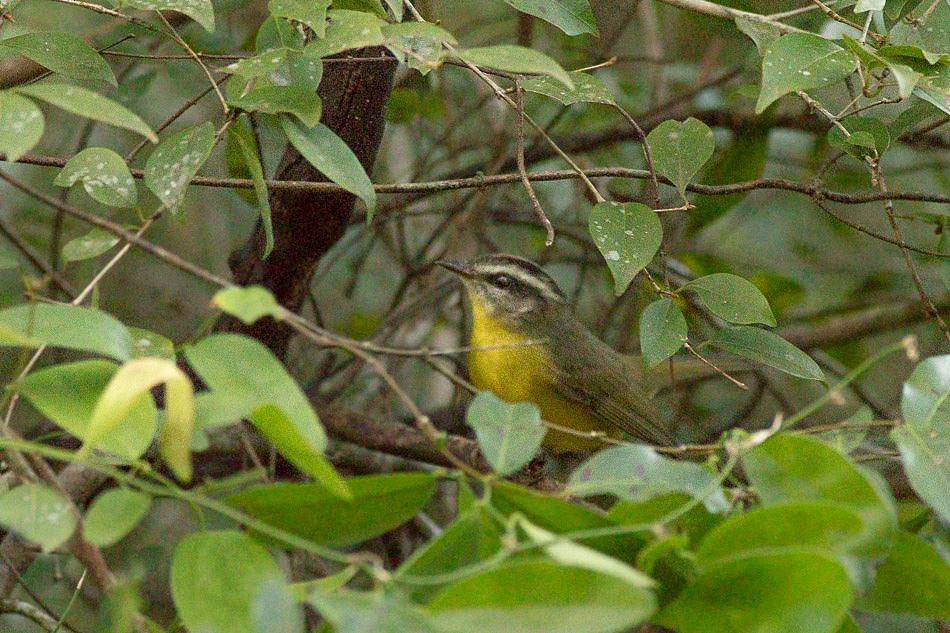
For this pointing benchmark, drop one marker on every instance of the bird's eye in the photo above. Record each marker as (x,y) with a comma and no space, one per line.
(502,281)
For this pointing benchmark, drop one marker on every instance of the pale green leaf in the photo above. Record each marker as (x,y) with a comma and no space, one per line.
(113,514)
(801,61)
(21,125)
(509,434)
(38,514)
(571,16)
(175,161)
(516,59)
(769,349)
(733,298)
(63,53)
(89,104)
(104,176)
(201,11)
(628,236)
(662,331)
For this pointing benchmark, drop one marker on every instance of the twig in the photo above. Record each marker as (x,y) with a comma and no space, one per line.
(519,125)
(737,383)
(198,60)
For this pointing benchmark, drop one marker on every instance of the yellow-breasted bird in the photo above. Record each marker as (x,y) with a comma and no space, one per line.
(544,355)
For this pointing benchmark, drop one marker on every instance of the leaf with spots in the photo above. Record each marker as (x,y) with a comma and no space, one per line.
(21,125)
(801,61)
(680,149)
(201,11)
(762,33)
(733,298)
(662,331)
(175,162)
(928,29)
(767,348)
(924,438)
(63,53)
(39,514)
(628,236)
(92,244)
(313,13)
(104,176)
(89,104)
(347,30)
(303,103)
(516,59)
(587,89)
(638,473)
(509,434)
(574,17)
(935,87)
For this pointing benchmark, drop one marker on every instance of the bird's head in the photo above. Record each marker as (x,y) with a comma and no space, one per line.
(507,288)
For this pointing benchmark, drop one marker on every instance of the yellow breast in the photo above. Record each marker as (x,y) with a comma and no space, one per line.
(522,373)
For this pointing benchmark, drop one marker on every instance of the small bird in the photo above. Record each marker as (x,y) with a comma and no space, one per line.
(541,353)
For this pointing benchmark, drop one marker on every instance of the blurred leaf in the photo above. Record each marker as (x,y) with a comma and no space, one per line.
(113,514)
(790,591)
(127,386)
(88,104)
(303,103)
(334,159)
(94,243)
(863,6)
(509,434)
(201,11)
(876,137)
(331,583)
(379,503)
(63,53)
(935,87)
(313,13)
(72,327)
(364,6)
(924,438)
(104,176)
(248,303)
(628,236)
(680,149)
(67,394)
(241,135)
(795,468)
(21,125)
(224,582)
(587,89)
(347,30)
(541,597)
(516,59)
(761,32)
(151,344)
(9,255)
(767,348)
(926,29)
(913,579)
(38,514)
(636,473)
(662,331)
(421,43)
(801,61)
(571,16)
(175,161)
(377,611)
(733,298)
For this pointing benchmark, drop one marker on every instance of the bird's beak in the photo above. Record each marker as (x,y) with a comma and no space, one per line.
(459,268)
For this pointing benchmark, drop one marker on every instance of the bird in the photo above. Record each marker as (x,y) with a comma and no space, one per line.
(526,345)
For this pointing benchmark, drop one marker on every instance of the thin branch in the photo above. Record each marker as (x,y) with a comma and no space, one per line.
(519,125)
(188,49)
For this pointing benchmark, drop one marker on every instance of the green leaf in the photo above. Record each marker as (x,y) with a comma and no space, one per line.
(924,438)
(241,135)
(914,579)
(795,468)
(863,6)
(313,13)
(127,386)
(374,7)
(769,349)
(72,327)
(680,149)
(926,29)
(347,30)
(421,44)
(801,61)
(201,11)
(328,153)
(38,514)
(516,59)
(92,244)
(638,473)
(379,504)
(113,514)
(628,236)
(790,591)
(89,104)
(587,89)
(509,434)
(541,597)
(733,298)
(821,525)
(302,102)
(869,137)
(224,582)
(63,53)
(571,16)
(662,331)
(263,65)
(151,344)
(175,161)
(935,87)
(67,394)
(21,125)
(248,303)
(104,176)
(377,611)
(761,32)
